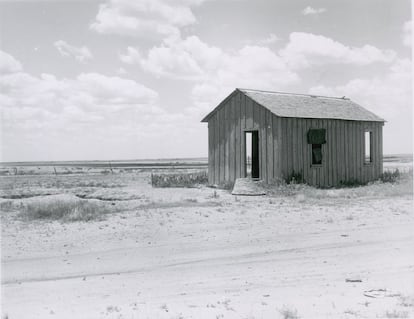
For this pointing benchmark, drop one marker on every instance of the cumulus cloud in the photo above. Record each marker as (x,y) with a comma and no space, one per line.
(272,38)
(307,49)
(389,96)
(407,35)
(145,18)
(87,117)
(312,11)
(8,64)
(82,54)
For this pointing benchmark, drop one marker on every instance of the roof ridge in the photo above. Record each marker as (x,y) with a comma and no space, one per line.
(300,94)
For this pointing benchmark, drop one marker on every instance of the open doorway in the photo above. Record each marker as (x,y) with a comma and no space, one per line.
(252,154)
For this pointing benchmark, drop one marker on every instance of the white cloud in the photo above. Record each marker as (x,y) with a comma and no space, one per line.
(389,96)
(312,11)
(307,49)
(82,54)
(407,33)
(8,64)
(87,117)
(272,38)
(145,18)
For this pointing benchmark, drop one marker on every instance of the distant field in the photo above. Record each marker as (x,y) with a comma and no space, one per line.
(404,162)
(99,167)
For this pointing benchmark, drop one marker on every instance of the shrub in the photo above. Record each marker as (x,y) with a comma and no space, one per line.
(294,178)
(353,182)
(390,177)
(179,180)
(63,209)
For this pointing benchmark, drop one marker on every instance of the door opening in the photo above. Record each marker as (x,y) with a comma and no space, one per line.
(252,154)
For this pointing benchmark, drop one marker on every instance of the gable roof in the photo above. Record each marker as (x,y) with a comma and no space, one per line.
(306,106)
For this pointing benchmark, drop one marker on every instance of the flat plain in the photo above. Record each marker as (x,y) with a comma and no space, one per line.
(145,252)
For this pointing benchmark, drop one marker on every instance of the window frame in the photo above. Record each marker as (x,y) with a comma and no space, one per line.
(368,160)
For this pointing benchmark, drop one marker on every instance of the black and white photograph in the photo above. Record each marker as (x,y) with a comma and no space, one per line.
(224,159)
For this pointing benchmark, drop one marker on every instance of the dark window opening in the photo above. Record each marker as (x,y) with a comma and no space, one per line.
(316,154)
(252,154)
(368,147)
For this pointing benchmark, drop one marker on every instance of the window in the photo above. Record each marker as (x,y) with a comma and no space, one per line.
(316,154)
(317,137)
(368,147)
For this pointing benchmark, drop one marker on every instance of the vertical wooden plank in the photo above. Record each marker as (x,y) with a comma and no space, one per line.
(262,144)
(307,156)
(226,141)
(276,146)
(334,154)
(359,148)
(249,113)
(210,151)
(222,144)
(340,145)
(216,148)
(345,150)
(269,145)
(294,143)
(329,151)
(351,150)
(381,168)
(284,147)
(300,137)
(289,141)
(232,141)
(238,138)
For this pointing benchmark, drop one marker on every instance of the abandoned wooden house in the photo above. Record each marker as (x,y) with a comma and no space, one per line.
(323,141)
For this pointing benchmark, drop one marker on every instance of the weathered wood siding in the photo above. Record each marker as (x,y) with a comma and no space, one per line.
(226,157)
(342,155)
(283,147)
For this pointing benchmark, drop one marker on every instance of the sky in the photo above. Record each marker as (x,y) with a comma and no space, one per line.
(120,79)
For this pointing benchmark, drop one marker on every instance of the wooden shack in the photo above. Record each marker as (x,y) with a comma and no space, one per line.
(323,141)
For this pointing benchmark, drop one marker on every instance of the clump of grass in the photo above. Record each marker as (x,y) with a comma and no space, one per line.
(294,178)
(390,177)
(353,182)
(396,314)
(288,313)
(62,209)
(179,180)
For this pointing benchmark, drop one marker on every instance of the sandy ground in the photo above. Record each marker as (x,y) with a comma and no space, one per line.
(203,253)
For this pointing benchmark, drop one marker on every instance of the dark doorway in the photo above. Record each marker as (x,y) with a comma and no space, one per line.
(252,154)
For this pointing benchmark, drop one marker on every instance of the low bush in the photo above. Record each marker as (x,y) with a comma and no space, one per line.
(353,182)
(294,178)
(390,176)
(179,180)
(63,209)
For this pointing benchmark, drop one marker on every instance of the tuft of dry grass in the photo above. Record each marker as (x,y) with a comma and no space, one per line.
(179,180)
(396,314)
(66,209)
(289,313)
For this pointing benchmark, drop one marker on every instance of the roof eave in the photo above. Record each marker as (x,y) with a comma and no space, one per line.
(207,117)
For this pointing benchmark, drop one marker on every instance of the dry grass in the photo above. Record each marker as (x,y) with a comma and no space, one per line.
(62,208)
(288,313)
(179,180)
(396,314)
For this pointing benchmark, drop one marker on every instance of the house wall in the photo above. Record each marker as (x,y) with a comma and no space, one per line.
(226,127)
(342,155)
(283,145)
